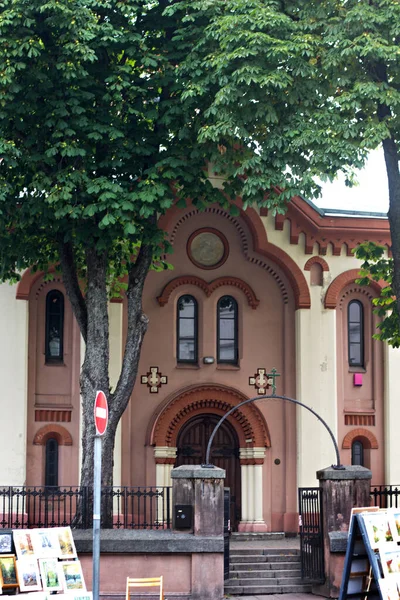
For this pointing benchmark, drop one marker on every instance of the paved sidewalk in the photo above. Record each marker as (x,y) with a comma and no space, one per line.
(276,597)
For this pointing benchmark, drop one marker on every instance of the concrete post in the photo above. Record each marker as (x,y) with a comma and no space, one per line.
(342,490)
(203,490)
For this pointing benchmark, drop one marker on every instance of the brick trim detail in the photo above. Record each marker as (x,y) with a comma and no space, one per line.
(360,433)
(340,282)
(316,259)
(174,217)
(208,288)
(63,416)
(247,421)
(61,434)
(27,280)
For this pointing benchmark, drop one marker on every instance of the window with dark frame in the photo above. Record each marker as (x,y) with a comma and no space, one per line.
(227,331)
(54,343)
(357,453)
(355,324)
(51,463)
(187,336)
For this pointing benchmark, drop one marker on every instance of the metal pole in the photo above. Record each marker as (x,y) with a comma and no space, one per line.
(273,397)
(96,516)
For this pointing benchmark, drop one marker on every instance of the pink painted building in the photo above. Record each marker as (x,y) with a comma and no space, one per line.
(247,294)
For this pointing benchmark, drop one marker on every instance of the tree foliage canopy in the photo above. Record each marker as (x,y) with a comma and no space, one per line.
(112,110)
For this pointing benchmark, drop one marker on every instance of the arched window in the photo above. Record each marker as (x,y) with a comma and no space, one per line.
(54,327)
(227,330)
(355,325)
(51,463)
(187,330)
(357,453)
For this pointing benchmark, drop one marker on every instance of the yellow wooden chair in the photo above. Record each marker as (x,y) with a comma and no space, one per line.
(132,582)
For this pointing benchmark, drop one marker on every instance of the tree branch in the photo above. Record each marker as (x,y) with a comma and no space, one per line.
(71,282)
(136,329)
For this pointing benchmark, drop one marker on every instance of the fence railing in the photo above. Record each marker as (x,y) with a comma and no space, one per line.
(39,506)
(385,496)
(311,534)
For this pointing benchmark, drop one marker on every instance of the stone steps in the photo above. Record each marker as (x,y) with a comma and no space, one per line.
(265,571)
(237,536)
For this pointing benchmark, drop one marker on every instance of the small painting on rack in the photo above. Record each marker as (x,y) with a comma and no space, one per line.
(390,559)
(378,528)
(28,575)
(50,573)
(23,543)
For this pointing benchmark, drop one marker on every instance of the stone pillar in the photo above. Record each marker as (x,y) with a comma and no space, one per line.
(203,489)
(342,490)
(251,465)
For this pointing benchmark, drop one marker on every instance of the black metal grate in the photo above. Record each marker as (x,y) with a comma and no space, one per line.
(385,496)
(39,506)
(311,534)
(227,530)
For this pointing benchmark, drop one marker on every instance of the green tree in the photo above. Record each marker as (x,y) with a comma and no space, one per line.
(348,103)
(377,266)
(100,133)
(110,111)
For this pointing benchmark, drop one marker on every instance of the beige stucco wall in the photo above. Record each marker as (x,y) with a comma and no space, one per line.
(115,315)
(392,415)
(316,387)
(13,361)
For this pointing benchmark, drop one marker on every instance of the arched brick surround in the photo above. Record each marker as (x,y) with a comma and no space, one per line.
(217,399)
(27,280)
(316,259)
(360,433)
(58,432)
(171,221)
(340,282)
(208,288)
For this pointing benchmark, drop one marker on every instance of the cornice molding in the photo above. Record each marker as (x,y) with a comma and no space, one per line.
(325,230)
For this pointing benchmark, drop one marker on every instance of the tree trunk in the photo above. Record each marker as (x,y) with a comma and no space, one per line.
(92,316)
(392,169)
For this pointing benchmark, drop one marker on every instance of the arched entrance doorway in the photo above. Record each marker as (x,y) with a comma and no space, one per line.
(191,449)
(179,425)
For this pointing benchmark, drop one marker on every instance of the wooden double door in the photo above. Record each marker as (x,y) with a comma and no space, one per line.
(192,445)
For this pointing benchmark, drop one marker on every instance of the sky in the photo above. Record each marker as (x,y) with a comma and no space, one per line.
(371,194)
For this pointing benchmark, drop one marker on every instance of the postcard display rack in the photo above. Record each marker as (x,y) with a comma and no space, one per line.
(40,563)
(372,562)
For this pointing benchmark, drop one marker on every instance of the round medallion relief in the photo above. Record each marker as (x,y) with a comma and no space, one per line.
(207,248)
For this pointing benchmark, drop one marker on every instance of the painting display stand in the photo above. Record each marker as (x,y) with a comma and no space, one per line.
(372,562)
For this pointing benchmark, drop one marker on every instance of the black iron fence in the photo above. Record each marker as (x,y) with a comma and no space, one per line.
(40,506)
(385,496)
(311,534)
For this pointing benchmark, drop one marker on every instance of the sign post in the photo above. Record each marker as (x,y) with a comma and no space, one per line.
(101,420)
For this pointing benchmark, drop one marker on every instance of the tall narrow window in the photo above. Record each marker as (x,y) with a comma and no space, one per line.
(227,330)
(54,326)
(187,330)
(355,323)
(51,466)
(357,453)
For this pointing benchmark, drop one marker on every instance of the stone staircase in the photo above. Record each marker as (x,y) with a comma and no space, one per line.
(260,571)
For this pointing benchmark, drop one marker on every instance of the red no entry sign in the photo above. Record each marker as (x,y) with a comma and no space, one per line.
(100,413)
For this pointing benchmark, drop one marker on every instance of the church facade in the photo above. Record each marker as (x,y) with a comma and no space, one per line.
(248,294)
